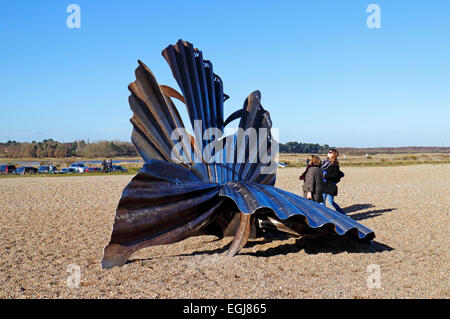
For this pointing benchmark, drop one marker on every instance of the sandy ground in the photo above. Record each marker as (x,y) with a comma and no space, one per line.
(48,224)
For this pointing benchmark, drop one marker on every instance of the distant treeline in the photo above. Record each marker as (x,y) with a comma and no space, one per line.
(295,147)
(392,150)
(79,148)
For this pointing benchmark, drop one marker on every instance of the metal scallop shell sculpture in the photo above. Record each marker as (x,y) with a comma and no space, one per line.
(192,186)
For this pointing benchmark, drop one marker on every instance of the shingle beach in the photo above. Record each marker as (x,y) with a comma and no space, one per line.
(50,223)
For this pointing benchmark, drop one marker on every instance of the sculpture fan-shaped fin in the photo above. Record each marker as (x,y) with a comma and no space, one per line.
(214,186)
(251,198)
(162,204)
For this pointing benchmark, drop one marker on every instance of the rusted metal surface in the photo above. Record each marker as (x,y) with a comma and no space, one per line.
(173,197)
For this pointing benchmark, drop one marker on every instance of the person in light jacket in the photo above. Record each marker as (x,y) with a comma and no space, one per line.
(313,185)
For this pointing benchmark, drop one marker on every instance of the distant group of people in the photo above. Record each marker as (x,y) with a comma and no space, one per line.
(320,179)
(107,166)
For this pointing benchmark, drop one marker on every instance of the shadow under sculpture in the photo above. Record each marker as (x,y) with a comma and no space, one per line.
(181,194)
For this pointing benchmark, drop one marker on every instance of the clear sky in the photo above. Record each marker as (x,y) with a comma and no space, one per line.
(324,75)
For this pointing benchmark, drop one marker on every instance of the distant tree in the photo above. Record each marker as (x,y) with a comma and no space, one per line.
(295,147)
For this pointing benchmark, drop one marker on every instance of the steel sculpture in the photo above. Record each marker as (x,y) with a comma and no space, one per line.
(181,194)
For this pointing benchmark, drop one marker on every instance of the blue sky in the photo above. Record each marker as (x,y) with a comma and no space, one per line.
(324,75)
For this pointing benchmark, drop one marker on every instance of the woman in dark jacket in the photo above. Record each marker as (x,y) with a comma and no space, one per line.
(331,176)
(313,185)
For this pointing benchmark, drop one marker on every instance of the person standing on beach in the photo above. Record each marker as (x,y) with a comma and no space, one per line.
(110,165)
(104,169)
(331,176)
(313,185)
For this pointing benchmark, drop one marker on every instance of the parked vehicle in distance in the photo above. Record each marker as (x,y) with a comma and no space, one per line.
(47,169)
(26,170)
(281,164)
(80,167)
(93,170)
(66,170)
(7,169)
(118,168)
